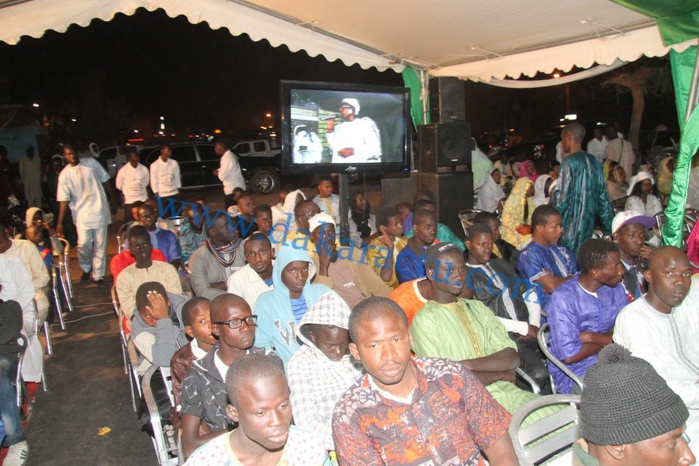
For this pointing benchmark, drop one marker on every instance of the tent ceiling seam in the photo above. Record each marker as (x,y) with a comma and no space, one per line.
(634,27)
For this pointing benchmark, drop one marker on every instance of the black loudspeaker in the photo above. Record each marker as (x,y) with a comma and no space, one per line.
(447,99)
(452,192)
(445,147)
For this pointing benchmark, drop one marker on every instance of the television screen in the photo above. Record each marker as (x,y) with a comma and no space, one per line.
(332,127)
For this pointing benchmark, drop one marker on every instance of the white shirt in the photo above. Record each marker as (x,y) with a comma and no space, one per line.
(81,186)
(247,284)
(230,174)
(132,182)
(596,147)
(669,343)
(17,286)
(165,177)
(360,134)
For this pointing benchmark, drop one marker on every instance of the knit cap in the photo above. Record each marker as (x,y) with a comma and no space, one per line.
(626,401)
(435,251)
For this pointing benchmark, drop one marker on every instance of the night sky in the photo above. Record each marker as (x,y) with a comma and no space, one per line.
(149,64)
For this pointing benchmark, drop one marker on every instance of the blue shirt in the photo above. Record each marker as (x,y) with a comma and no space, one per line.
(535,258)
(409,265)
(167,242)
(298,308)
(573,310)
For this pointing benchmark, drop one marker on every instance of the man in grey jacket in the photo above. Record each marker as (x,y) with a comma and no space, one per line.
(156,329)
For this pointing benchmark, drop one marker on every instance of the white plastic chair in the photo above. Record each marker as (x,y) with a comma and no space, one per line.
(64,274)
(159,441)
(548,438)
(542,337)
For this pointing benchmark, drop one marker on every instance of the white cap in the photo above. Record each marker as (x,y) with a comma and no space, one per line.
(629,216)
(319,219)
(353,102)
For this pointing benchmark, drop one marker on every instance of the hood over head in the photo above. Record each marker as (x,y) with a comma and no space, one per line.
(330,309)
(286,255)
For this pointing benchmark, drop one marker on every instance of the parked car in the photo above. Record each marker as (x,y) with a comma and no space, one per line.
(113,158)
(541,151)
(261,161)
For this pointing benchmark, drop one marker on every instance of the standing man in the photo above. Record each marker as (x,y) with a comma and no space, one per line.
(598,143)
(621,151)
(132,180)
(355,140)
(229,173)
(581,194)
(165,178)
(81,186)
(30,174)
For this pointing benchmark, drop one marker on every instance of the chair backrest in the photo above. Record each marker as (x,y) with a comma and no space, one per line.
(121,235)
(466,218)
(159,441)
(542,337)
(167,380)
(548,437)
(115,303)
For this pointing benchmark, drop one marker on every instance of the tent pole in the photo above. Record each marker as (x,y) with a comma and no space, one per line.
(693,89)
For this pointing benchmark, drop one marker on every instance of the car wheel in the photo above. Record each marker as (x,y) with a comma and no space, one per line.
(264,181)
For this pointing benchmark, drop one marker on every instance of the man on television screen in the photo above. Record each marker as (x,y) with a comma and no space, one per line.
(354,140)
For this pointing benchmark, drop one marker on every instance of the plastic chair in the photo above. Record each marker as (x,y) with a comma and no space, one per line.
(536,389)
(19,382)
(542,337)
(466,217)
(561,430)
(167,380)
(117,310)
(121,234)
(159,441)
(63,266)
(131,367)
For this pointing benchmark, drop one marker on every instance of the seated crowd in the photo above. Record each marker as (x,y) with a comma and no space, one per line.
(405,344)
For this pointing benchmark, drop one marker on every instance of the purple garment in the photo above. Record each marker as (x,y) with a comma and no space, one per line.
(167,242)
(409,265)
(573,310)
(408,223)
(535,258)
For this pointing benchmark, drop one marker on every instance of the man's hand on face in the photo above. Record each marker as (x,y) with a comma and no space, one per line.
(158,306)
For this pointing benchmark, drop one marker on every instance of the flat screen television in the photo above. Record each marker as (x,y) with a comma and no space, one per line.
(344,128)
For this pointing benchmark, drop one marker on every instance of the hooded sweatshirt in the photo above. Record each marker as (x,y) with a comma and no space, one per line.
(158,344)
(316,382)
(276,327)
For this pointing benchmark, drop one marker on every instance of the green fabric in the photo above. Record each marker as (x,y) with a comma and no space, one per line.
(437,333)
(678,20)
(444,235)
(682,69)
(411,78)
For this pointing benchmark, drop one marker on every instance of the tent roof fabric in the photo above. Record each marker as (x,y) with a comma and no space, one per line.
(471,39)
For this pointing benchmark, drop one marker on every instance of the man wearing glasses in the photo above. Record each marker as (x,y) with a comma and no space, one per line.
(204,396)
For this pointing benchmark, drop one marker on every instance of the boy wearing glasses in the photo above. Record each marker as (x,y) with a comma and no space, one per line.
(204,396)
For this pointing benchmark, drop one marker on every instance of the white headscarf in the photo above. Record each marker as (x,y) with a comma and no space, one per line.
(640,176)
(490,194)
(541,197)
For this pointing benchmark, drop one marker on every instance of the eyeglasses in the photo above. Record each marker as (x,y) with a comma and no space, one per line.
(236,323)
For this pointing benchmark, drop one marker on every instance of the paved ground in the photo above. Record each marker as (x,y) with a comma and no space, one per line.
(87,387)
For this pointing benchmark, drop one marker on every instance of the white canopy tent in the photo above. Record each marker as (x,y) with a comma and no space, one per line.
(471,39)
